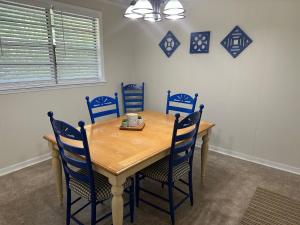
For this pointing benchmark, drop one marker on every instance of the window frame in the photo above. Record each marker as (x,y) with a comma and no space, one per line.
(47,85)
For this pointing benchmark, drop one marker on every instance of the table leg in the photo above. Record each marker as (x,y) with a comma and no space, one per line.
(117,200)
(204,152)
(57,169)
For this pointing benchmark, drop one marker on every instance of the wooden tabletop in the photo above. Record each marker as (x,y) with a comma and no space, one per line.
(116,150)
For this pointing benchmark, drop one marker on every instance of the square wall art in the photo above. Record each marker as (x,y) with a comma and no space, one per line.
(236,42)
(200,42)
(169,44)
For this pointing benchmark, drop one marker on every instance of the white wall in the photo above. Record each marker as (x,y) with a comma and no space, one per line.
(23,115)
(253,99)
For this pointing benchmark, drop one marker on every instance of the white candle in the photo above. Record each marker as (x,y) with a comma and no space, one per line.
(132,119)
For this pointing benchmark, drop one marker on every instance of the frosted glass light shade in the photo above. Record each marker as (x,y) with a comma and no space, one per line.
(173,7)
(142,7)
(130,14)
(175,17)
(153,17)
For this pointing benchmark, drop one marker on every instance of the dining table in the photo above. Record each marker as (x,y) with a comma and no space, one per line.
(119,154)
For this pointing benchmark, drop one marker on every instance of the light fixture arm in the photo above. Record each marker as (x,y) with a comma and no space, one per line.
(157,4)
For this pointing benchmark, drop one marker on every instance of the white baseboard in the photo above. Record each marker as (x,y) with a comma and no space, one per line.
(22,165)
(254,159)
(243,156)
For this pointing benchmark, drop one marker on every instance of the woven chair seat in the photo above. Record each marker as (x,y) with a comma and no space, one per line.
(102,187)
(159,171)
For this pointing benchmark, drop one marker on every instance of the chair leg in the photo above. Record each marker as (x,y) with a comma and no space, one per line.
(191,188)
(171,203)
(93,212)
(137,190)
(68,206)
(131,202)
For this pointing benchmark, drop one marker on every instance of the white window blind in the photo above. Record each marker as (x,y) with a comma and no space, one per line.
(76,46)
(45,47)
(24,55)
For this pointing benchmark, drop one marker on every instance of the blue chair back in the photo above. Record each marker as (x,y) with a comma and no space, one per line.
(102,101)
(183,99)
(75,157)
(133,97)
(183,144)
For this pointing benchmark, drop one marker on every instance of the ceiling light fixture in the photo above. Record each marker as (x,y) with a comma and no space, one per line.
(150,10)
(153,17)
(175,17)
(142,7)
(130,14)
(173,7)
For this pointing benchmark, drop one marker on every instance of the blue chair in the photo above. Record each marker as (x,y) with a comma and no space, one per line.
(176,166)
(182,99)
(102,101)
(80,177)
(133,97)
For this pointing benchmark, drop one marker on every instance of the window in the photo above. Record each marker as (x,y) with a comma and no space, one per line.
(40,47)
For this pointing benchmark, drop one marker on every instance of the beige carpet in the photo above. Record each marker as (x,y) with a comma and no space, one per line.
(269,208)
(28,196)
